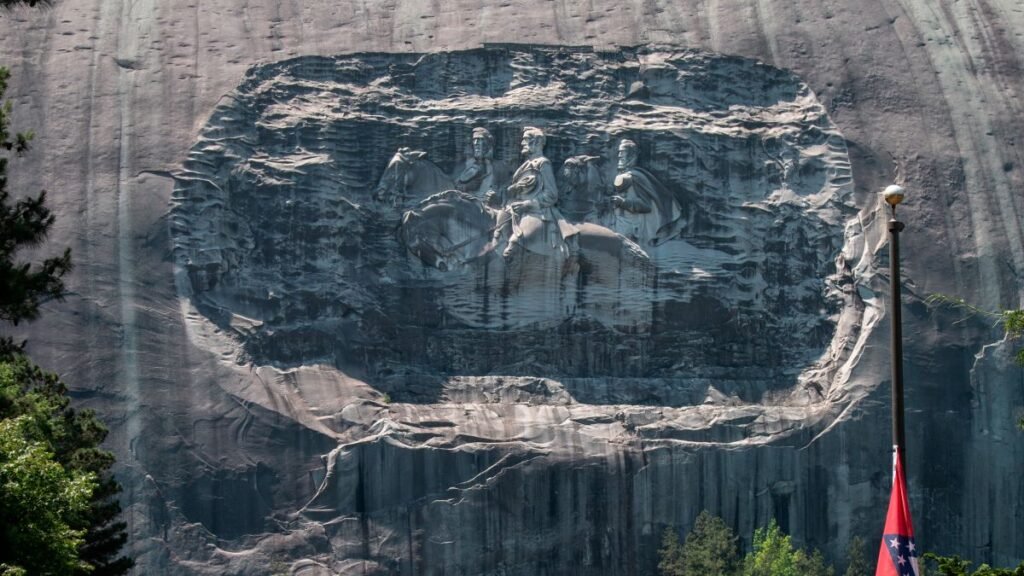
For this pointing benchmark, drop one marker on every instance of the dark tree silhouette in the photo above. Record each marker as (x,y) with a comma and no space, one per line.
(72,437)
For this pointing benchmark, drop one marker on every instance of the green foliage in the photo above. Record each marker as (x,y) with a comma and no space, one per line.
(42,502)
(24,286)
(670,554)
(856,561)
(774,555)
(74,438)
(55,437)
(812,564)
(23,223)
(710,548)
(1012,321)
(1013,325)
(955,566)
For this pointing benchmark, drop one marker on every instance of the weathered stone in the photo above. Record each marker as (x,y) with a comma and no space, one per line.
(717,321)
(541,467)
(284,244)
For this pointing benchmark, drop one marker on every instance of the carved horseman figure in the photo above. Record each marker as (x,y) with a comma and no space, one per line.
(644,210)
(529,216)
(483,176)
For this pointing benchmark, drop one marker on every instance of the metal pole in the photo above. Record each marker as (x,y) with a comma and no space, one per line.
(898,431)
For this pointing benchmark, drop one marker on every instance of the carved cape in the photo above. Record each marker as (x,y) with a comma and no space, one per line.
(651,206)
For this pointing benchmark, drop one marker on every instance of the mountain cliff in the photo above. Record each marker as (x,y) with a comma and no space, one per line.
(313,361)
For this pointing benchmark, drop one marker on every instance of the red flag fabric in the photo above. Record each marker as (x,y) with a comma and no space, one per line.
(897,555)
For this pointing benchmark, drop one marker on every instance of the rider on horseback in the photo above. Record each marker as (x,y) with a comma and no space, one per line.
(530,212)
(482,175)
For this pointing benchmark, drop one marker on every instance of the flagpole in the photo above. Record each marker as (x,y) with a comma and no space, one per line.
(893,196)
(897,555)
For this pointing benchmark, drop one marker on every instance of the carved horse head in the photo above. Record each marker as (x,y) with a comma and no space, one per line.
(395,180)
(410,176)
(581,185)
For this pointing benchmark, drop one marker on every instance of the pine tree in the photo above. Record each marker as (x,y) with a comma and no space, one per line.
(857,563)
(774,555)
(670,554)
(25,223)
(955,566)
(710,548)
(38,400)
(72,438)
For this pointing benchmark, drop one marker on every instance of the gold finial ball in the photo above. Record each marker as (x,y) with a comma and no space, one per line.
(893,195)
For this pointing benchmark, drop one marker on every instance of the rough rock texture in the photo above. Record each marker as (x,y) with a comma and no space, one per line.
(284,244)
(240,458)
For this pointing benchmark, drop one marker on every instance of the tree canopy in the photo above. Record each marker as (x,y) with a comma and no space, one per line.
(24,285)
(711,549)
(58,500)
(42,430)
(955,566)
(774,555)
(670,555)
(856,562)
(42,502)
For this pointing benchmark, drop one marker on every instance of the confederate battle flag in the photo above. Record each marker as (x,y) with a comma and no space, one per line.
(897,555)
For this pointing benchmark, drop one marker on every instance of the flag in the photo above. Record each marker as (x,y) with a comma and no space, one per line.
(897,556)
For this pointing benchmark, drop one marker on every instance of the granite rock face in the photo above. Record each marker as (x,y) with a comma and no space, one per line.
(285,242)
(299,235)
(313,361)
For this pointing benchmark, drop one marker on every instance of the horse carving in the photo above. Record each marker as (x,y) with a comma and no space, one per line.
(582,187)
(447,229)
(409,177)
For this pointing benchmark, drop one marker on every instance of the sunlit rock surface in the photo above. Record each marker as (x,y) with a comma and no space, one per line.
(284,242)
(290,388)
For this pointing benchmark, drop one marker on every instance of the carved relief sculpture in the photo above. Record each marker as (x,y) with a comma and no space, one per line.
(381,226)
(581,187)
(482,175)
(645,211)
(529,217)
